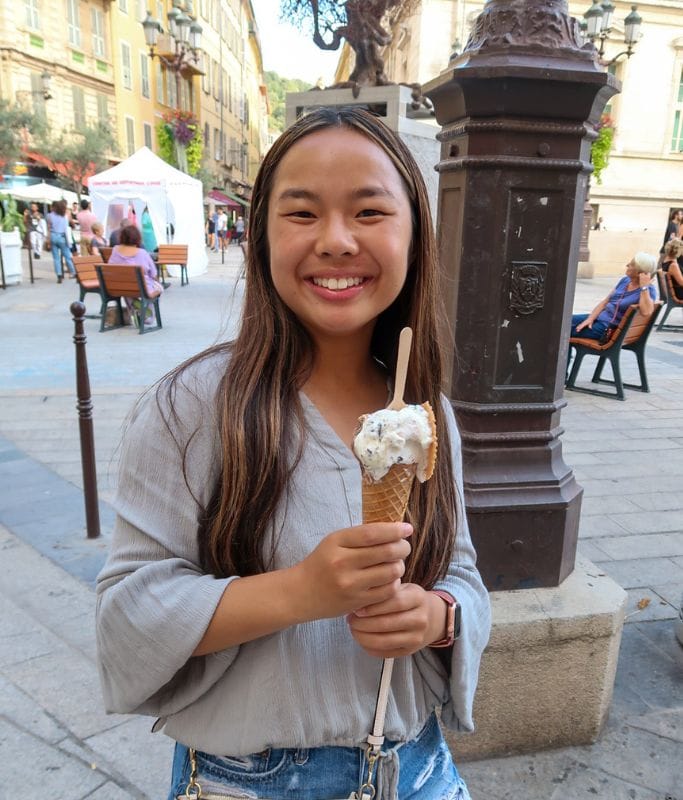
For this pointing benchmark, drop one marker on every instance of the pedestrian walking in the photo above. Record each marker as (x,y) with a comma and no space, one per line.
(239,229)
(86,219)
(243,603)
(221,227)
(58,227)
(37,230)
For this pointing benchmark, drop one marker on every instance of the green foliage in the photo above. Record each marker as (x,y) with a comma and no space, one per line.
(602,146)
(277,89)
(15,124)
(79,153)
(11,218)
(179,137)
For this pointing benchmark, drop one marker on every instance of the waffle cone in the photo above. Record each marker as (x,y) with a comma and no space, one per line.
(386,500)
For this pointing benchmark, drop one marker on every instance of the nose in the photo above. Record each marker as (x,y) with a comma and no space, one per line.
(335,238)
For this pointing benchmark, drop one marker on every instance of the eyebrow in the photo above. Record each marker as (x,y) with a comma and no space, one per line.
(297,193)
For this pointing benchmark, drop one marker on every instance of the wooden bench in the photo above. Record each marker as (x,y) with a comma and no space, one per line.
(631,334)
(105,252)
(667,291)
(172,254)
(86,274)
(126,280)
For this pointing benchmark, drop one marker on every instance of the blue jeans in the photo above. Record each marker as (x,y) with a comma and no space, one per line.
(595,332)
(427,772)
(60,249)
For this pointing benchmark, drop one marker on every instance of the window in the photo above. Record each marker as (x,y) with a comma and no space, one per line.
(677,138)
(32,15)
(73,22)
(230,93)
(216,80)
(102,108)
(130,136)
(160,82)
(171,89)
(126,70)
(79,107)
(123,6)
(207,135)
(97,24)
(140,10)
(216,144)
(147,134)
(224,88)
(144,75)
(206,69)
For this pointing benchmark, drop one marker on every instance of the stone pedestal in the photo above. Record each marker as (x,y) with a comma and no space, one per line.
(547,675)
(392,105)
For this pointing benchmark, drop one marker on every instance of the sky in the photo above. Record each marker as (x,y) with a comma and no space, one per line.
(289,52)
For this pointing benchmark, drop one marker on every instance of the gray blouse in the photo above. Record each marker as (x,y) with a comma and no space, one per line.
(306,686)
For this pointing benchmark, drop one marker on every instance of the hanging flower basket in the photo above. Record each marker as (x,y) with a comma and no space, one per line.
(180,140)
(602,146)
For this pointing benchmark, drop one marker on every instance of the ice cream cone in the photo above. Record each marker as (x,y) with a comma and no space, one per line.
(386,500)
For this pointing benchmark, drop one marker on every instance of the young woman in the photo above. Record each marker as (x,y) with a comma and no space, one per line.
(243,603)
(58,228)
(673,256)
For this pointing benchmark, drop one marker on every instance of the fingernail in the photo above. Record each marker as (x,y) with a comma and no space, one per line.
(406,529)
(361,612)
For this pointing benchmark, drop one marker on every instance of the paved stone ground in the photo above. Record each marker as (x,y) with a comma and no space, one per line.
(628,457)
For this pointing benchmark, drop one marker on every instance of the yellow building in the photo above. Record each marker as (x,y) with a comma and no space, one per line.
(233,111)
(137,84)
(65,46)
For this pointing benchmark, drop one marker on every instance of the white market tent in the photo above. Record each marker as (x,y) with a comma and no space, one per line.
(43,193)
(173,199)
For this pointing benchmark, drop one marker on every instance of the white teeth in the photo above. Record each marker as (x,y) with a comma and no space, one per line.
(337,283)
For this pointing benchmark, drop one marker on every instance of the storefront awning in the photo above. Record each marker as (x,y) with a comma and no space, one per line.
(223,199)
(243,201)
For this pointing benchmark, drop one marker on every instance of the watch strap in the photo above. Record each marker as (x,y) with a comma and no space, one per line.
(452,619)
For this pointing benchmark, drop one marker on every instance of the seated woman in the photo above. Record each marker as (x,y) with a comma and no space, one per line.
(671,263)
(97,239)
(130,251)
(635,287)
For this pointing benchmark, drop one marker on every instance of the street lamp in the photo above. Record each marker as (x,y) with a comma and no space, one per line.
(186,34)
(597,26)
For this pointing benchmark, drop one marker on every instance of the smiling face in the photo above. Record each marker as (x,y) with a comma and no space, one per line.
(339,232)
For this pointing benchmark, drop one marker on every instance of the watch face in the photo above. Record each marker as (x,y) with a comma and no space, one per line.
(457,619)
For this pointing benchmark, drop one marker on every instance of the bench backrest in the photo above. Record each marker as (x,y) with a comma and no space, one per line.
(85,267)
(172,254)
(122,280)
(671,289)
(661,284)
(105,252)
(641,324)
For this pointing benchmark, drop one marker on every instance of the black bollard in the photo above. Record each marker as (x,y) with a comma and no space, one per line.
(85,424)
(30,262)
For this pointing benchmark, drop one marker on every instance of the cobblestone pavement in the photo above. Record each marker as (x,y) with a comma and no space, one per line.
(627,455)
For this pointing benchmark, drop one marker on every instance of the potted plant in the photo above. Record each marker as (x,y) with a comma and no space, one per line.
(12,230)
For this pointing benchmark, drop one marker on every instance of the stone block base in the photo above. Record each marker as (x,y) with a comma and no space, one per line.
(586,269)
(547,675)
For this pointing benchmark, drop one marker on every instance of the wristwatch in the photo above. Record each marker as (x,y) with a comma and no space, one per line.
(453,617)
(644,288)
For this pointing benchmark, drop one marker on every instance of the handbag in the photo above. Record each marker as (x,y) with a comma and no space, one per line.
(375,740)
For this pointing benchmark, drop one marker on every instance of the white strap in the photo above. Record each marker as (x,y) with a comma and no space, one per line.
(376,737)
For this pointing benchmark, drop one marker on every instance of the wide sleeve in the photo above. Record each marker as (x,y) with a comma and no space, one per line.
(154,603)
(464,583)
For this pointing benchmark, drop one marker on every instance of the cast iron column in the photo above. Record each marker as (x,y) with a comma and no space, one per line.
(518,109)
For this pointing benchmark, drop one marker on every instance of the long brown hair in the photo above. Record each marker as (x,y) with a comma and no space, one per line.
(258,406)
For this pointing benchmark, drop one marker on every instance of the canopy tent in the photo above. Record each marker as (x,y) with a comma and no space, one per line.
(43,193)
(172,198)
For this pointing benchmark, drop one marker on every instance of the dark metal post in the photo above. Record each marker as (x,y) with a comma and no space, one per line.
(518,108)
(2,270)
(85,424)
(30,261)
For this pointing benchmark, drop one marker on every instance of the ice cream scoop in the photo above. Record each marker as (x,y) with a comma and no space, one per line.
(389,437)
